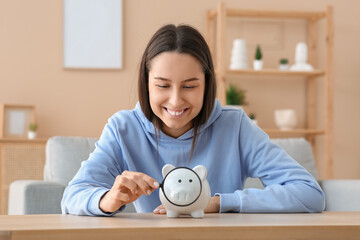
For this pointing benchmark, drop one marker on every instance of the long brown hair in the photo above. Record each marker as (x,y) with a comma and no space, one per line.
(180,39)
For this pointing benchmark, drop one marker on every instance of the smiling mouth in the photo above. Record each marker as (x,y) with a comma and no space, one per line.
(176,113)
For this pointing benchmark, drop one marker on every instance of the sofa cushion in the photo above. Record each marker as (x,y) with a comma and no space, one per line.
(341,194)
(64,156)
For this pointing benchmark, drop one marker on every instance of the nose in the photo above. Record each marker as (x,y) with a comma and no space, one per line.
(176,98)
(181,197)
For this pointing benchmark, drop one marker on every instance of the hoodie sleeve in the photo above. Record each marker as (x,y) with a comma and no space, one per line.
(95,176)
(288,187)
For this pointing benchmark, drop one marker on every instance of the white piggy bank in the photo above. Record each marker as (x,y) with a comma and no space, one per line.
(184,191)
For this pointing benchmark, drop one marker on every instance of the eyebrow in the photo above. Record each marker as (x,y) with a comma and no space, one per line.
(186,80)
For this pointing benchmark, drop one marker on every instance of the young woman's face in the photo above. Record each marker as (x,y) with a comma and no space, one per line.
(176,91)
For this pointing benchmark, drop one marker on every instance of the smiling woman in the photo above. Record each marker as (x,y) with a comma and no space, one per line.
(178,121)
(182,53)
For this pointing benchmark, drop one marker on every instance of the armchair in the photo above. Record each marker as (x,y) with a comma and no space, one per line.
(65,154)
(63,159)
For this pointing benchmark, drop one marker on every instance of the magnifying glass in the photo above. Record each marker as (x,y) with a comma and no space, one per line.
(181,186)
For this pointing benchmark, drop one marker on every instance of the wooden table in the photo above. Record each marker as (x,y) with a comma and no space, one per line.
(327,225)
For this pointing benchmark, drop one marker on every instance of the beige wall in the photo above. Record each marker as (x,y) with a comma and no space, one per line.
(79,102)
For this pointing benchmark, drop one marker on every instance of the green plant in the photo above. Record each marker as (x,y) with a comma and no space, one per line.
(284,61)
(252,116)
(235,96)
(33,127)
(258,54)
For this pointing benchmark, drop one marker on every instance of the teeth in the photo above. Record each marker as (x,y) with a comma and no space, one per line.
(175,113)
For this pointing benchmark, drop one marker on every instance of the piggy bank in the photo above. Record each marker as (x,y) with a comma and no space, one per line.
(184,191)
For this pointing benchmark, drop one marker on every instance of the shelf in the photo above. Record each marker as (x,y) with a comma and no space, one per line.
(216,32)
(294,131)
(314,16)
(23,140)
(276,72)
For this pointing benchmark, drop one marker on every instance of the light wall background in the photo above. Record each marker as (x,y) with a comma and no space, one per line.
(79,102)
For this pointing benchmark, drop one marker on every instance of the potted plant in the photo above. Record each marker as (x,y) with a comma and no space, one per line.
(284,64)
(258,63)
(252,116)
(32,130)
(235,96)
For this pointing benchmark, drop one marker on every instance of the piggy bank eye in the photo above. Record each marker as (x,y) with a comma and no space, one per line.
(190,180)
(179,180)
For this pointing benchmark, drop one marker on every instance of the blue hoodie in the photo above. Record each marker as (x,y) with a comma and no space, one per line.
(229,145)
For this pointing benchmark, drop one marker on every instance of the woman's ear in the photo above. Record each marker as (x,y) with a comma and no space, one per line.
(166,169)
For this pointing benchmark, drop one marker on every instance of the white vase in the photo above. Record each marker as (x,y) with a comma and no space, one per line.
(301,58)
(31,135)
(285,119)
(284,67)
(239,59)
(258,64)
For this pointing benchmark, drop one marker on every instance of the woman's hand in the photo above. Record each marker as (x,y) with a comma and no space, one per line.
(212,207)
(127,187)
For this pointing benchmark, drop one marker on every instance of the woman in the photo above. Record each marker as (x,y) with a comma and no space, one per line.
(179,121)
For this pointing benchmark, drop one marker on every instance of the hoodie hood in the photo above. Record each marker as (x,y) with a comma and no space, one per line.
(149,126)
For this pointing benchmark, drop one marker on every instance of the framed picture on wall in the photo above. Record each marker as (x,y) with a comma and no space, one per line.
(15,120)
(93,34)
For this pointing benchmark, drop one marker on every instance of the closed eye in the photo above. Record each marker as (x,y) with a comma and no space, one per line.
(189,87)
(162,86)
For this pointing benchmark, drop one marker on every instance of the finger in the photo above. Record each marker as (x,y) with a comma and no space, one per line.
(145,183)
(156,211)
(162,211)
(144,187)
(151,181)
(123,182)
(159,210)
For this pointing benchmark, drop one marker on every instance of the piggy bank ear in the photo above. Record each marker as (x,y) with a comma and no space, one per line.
(201,171)
(166,169)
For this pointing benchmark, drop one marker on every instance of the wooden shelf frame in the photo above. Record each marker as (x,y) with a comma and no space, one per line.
(294,131)
(276,72)
(250,13)
(216,19)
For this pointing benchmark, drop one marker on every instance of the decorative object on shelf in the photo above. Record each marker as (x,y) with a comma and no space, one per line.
(258,63)
(15,120)
(252,116)
(239,59)
(184,190)
(235,96)
(301,57)
(284,64)
(285,119)
(32,130)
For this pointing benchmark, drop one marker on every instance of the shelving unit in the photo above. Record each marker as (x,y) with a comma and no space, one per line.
(217,21)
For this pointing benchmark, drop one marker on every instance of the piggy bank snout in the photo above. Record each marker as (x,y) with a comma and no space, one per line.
(182,197)
(182,193)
